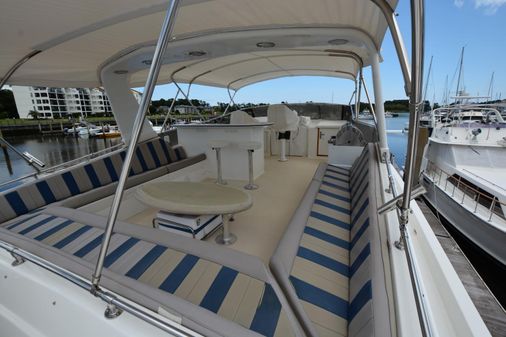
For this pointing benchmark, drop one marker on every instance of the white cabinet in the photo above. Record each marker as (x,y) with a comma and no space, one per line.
(324,135)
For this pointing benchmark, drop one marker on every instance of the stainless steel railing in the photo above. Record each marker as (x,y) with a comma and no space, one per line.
(491,205)
(29,158)
(456,114)
(109,298)
(67,164)
(418,289)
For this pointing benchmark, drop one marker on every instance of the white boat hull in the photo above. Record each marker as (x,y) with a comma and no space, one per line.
(35,302)
(487,237)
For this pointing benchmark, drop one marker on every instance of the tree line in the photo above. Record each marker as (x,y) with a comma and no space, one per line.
(7,105)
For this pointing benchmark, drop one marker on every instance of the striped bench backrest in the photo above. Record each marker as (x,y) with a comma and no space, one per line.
(81,178)
(331,272)
(360,309)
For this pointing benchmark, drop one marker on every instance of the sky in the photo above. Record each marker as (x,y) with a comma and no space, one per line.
(477,25)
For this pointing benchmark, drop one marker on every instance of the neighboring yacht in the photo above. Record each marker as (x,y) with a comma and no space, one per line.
(366,115)
(139,242)
(464,171)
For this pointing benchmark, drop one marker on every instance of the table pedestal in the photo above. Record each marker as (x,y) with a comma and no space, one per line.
(226,238)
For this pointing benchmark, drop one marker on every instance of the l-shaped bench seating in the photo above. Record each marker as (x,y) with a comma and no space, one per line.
(328,262)
(327,278)
(97,179)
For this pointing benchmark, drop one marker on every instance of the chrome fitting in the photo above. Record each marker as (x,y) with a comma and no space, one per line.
(112,311)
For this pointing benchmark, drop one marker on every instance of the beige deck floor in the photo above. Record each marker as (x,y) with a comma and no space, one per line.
(260,228)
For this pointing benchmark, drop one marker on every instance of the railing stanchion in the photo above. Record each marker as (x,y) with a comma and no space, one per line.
(154,70)
(492,206)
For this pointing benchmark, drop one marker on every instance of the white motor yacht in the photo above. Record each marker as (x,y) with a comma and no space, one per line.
(316,247)
(464,169)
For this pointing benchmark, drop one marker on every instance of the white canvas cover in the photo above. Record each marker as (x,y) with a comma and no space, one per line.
(282,117)
(78,38)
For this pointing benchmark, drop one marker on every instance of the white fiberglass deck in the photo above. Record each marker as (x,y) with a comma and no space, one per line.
(260,228)
(491,179)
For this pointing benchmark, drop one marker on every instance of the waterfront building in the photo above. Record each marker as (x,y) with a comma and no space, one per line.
(186,109)
(51,102)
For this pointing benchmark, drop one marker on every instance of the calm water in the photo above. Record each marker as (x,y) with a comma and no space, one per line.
(51,150)
(57,150)
(398,142)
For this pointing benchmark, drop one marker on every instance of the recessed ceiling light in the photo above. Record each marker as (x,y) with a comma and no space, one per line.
(265,44)
(197,53)
(121,72)
(147,62)
(338,42)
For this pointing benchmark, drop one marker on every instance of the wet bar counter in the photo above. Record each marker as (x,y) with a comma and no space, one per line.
(197,137)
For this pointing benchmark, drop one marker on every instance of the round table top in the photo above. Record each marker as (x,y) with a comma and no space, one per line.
(194,198)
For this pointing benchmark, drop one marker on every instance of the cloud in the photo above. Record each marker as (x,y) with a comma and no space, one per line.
(490,6)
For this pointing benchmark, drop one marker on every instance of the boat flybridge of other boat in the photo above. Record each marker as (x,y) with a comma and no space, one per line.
(140,241)
(464,171)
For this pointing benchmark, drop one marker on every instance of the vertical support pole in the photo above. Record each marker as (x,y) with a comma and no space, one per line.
(417,17)
(251,184)
(282,150)
(250,167)
(169,112)
(226,238)
(371,107)
(354,110)
(417,54)
(380,110)
(154,70)
(359,92)
(219,178)
(6,154)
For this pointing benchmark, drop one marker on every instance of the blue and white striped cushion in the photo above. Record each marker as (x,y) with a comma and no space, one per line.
(330,273)
(97,173)
(235,296)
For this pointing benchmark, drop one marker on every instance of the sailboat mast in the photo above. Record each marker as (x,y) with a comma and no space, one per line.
(460,72)
(446,92)
(491,87)
(427,83)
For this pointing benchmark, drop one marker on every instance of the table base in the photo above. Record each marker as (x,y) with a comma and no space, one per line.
(222,240)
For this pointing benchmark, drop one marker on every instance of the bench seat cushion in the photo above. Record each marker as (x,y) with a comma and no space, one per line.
(206,279)
(323,261)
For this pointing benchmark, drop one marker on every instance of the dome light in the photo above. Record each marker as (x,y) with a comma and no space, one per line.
(265,44)
(338,42)
(197,53)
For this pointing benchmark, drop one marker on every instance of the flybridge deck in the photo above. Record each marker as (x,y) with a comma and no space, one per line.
(359,281)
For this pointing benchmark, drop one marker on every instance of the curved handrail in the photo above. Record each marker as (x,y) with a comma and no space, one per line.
(450,112)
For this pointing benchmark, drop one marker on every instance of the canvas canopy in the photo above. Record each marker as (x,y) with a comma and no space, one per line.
(218,42)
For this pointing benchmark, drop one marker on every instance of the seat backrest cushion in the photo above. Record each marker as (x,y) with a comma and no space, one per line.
(98,172)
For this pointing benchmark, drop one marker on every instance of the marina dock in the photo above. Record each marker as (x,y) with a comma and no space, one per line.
(489,308)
